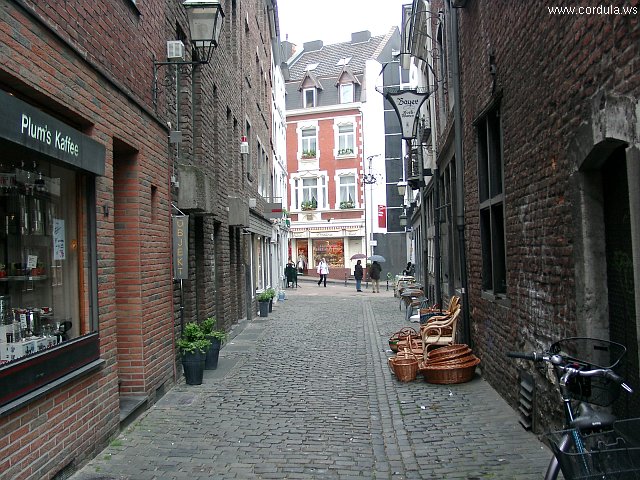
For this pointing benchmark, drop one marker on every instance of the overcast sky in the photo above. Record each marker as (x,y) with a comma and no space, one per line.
(333,21)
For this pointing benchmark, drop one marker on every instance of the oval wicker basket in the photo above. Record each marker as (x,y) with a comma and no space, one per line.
(455,372)
(449,351)
(453,355)
(405,369)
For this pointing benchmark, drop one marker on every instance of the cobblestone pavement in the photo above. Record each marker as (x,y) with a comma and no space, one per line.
(306,393)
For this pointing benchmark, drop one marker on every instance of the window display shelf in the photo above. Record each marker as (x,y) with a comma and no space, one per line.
(18,278)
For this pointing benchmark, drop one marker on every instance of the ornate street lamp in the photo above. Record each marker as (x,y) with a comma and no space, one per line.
(205,24)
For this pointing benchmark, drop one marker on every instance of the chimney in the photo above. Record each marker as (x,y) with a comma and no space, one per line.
(312,46)
(361,37)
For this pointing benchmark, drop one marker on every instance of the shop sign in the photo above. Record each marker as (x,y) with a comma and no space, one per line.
(180,247)
(36,130)
(407,105)
(382,216)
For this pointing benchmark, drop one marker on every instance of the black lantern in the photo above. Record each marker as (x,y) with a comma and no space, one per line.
(205,24)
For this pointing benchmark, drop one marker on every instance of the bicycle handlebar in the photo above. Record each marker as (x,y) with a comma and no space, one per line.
(558,361)
(534,356)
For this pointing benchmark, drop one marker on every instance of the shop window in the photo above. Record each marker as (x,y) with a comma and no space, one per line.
(330,249)
(44,289)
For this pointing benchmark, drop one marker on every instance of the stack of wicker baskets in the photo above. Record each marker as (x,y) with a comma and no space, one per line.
(408,347)
(450,364)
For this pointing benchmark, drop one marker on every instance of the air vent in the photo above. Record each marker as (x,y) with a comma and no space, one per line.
(175,50)
(526,400)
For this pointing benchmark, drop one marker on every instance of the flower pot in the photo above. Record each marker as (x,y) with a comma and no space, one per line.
(211,360)
(193,366)
(270,305)
(263,308)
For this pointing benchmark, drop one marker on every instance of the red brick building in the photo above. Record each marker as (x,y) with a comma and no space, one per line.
(92,172)
(542,241)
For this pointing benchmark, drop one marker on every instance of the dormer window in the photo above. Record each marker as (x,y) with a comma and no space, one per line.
(346,92)
(309,97)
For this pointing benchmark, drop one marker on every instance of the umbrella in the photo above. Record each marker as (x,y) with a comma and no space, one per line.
(358,256)
(377,258)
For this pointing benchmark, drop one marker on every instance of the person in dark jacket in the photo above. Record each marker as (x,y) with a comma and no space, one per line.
(410,270)
(358,273)
(374,273)
(291,274)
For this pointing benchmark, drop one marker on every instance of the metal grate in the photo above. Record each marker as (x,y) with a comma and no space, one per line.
(526,400)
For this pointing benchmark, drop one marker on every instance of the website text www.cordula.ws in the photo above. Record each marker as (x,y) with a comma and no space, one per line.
(594,10)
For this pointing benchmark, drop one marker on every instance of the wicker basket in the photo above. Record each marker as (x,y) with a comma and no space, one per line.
(401,335)
(453,371)
(449,352)
(405,369)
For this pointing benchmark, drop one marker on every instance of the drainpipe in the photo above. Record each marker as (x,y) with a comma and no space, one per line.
(436,238)
(457,122)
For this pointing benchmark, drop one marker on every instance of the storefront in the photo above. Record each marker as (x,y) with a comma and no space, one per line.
(48,280)
(334,243)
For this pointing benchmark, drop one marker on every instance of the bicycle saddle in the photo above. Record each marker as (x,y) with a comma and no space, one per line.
(589,419)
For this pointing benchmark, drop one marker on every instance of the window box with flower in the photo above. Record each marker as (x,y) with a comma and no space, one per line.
(347,204)
(309,204)
(308,154)
(343,152)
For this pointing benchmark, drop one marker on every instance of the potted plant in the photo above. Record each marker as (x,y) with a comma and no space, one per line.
(272,295)
(216,337)
(308,154)
(347,204)
(309,204)
(193,348)
(263,303)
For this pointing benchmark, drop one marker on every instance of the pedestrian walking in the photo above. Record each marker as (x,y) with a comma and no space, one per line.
(374,273)
(323,271)
(358,273)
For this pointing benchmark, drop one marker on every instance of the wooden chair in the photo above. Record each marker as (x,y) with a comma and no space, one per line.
(439,332)
(454,302)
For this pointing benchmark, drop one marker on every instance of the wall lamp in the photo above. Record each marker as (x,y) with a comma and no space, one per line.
(403,218)
(206,19)
(402,188)
(205,24)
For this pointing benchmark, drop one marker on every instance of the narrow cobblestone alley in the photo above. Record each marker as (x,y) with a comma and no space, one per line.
(306,393)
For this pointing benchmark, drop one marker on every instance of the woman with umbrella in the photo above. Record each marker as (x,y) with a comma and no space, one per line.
(374,273)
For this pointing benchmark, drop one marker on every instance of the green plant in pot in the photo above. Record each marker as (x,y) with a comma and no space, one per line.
(193,346)
(263,303)
(216,337)
(272,295)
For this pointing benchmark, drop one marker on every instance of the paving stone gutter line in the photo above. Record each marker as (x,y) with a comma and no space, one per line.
(306,393)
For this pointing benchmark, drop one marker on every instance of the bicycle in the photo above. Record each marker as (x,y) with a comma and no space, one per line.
(593,444)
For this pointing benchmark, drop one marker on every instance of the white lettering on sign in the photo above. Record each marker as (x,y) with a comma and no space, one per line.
(41,133)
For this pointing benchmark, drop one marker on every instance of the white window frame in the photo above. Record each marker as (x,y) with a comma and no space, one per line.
(304,97)
(346,92)
(298,189)
(340,175)
(301,127)
(343,121)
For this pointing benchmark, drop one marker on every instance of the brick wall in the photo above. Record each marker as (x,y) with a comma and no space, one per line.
(548,69)
(67,59)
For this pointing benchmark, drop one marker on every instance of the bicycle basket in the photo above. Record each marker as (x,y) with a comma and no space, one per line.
(589,353)
(613,454)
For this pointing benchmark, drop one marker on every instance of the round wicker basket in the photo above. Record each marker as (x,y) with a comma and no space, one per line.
(405,369)
(454,371)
